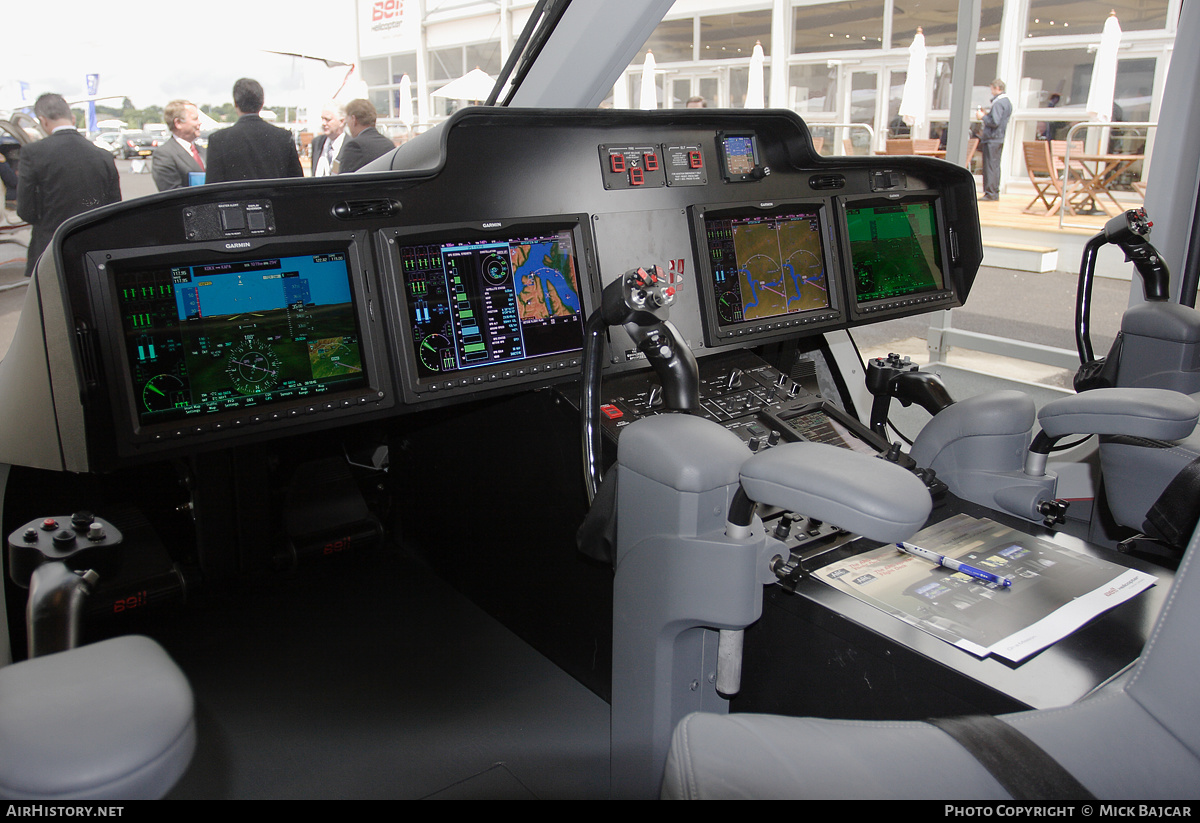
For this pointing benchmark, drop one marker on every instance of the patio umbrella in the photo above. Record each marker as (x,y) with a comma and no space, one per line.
(755,95)
(621,93)
(913,105)
(406,115)
(1104,72)
(474,85)
(648,96)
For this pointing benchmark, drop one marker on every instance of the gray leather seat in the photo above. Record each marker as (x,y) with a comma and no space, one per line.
(111,720)
(1138,739)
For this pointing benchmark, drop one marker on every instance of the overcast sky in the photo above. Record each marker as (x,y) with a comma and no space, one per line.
(153,53)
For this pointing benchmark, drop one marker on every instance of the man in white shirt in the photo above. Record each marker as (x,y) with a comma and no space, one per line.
(178,156)
(328,145)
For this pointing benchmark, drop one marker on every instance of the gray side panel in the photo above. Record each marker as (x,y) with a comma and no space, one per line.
(29,432)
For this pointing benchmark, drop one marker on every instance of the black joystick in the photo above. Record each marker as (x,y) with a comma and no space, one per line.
(899,377)
(59,560)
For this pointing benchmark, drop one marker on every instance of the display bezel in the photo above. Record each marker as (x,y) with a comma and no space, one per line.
(717,330)
(546,368)
(135,435)
(878,308)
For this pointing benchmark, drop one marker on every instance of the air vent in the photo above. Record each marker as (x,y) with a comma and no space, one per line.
(359,209)
(824,182)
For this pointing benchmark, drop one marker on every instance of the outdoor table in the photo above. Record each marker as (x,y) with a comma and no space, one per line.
(1101,172)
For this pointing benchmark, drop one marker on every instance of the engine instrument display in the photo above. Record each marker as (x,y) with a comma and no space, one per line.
(227,335)
(477,305)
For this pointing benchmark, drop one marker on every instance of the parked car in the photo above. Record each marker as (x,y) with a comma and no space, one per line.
(138,144)
(110,142)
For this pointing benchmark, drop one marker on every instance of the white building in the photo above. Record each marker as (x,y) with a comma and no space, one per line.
(836,62)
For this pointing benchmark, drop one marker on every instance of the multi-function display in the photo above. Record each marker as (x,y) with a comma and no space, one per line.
(228,335)
(766,266)
(481,303)
(894,248)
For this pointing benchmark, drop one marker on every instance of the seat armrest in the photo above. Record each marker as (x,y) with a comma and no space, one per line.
(1157,414)
(856,492)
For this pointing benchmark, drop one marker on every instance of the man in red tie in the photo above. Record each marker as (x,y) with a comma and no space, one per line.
(178,156)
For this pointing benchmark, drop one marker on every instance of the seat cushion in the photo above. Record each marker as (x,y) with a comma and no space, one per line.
(111,720)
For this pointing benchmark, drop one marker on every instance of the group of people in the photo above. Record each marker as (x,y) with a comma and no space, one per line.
(65,175)
(253,149)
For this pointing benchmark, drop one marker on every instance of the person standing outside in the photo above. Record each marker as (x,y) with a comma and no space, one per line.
(991,138)
(327,145)
(178,156)
(365,143)
(61,176)
(251,149)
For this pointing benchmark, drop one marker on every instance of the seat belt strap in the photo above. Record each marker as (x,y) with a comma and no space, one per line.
(1174,514)
(1019,765)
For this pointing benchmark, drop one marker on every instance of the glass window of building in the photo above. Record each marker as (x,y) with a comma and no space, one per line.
(446,64)
(730,36)
(837,26)
(812,88)
(1056,78)
(943,76)
(1060,17)
(673,41)
(484,56)
(939,21)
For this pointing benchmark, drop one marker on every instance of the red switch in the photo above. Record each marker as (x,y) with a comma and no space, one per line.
(695,159)
(650,161)
(617,163)
(612,412)
(636,178)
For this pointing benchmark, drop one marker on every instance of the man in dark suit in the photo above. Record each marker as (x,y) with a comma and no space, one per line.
(178,156)
(328,145)
(61,176)
(251,149)
(365,143)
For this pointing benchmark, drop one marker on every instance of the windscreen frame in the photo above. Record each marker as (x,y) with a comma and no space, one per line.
(136,436)
(542,369)
(896,305)
(719,331)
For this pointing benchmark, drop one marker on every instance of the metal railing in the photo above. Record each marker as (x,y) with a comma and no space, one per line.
(1066,171)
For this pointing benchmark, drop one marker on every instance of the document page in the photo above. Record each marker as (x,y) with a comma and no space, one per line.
(1054,590)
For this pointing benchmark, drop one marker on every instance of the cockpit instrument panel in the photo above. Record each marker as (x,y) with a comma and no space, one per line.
(478,308)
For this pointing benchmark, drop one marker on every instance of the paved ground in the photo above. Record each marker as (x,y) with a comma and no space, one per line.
(1038,308)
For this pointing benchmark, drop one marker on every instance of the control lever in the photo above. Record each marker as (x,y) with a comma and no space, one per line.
(1127,231)
(899,377)
(638,301)
(59,560)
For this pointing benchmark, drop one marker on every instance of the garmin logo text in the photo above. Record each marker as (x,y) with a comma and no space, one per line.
(494,225)
(237,245)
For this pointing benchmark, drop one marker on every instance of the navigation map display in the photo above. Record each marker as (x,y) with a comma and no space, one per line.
(766,266)
(480,303)
(894,248)
(228,335)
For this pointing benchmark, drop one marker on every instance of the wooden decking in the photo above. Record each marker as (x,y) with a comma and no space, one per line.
(1009,212)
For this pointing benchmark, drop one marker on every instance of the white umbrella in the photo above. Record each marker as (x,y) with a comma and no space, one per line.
(755,95)
(406,114)
(621,93)
(913,105)
(474,85)
(1104,72)
(648,98)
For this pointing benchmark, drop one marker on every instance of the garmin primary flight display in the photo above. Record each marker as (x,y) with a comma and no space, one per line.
(479,303)
(227,335)
(894,248)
